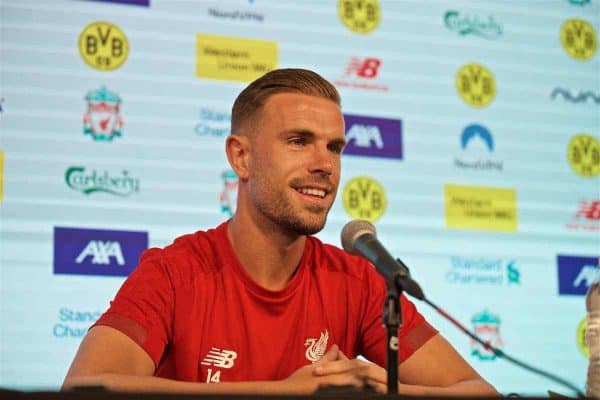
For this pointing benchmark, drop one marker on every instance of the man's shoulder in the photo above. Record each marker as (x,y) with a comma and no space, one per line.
(197,252)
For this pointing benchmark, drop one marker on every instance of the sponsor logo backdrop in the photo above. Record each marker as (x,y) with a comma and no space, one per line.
(473,135)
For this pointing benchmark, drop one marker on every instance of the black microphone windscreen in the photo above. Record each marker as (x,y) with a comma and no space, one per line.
(353,230)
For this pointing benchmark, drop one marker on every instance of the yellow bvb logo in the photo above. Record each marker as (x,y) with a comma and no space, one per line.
(583,154)
(475,85)
(103,46)
(364,198)
(360,16)
(581,342)
(579,39)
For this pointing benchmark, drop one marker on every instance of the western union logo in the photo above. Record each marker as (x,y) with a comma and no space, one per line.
(234,59)
(481,208)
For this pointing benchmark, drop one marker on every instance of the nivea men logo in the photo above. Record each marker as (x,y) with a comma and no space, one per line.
(576,274)
(373,137)
(80,251)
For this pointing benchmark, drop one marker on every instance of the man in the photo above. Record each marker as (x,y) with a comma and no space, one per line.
(257,305)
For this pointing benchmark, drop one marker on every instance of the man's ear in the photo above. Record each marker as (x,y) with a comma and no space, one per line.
(237,148)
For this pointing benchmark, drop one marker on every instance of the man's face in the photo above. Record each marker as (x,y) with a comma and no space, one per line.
(294,169)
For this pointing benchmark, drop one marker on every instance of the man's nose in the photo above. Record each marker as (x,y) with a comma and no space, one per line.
(322,160)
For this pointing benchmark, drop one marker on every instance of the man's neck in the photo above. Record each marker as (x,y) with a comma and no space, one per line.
(269,255)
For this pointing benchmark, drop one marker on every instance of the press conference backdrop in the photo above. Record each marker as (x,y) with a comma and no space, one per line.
(473,131)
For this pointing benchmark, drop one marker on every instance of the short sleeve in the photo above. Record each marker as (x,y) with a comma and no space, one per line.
(414,333)
(143,306)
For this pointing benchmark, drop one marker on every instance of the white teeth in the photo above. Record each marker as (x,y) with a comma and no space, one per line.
(312,192)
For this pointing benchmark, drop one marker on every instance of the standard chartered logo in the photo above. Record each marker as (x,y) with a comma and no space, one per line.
(91,181)
(483,271)
(73,324)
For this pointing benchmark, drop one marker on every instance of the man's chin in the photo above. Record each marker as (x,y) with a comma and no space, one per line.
(311,227)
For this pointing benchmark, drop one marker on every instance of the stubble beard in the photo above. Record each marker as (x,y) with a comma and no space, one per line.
(278,208)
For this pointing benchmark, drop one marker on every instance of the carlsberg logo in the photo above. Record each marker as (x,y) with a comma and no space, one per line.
(90,181)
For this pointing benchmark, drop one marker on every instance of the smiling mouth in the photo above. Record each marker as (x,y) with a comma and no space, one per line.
(319,193)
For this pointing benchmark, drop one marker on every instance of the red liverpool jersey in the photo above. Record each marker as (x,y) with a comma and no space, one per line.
(193,308)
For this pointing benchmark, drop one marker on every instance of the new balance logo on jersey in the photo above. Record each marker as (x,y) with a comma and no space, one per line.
(97,252)
(101,253)
(373,137)
(576,274)
(363,67)
(316,347)
(220,358)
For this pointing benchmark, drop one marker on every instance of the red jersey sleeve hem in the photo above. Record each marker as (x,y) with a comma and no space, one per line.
(135,331)
(415,338)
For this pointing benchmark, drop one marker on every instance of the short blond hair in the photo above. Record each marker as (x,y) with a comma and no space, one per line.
(248,104)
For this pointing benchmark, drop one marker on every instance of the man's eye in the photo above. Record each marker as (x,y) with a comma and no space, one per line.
(297,141)
(336,149)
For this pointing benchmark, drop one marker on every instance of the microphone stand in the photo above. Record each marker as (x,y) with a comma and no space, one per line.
(392,319)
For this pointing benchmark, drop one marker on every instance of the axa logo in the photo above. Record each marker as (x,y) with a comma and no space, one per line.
(79,251)
(577,273)
(580,97)
(102,119)
(373,137)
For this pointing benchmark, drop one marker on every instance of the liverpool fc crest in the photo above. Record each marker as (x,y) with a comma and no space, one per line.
(102,119)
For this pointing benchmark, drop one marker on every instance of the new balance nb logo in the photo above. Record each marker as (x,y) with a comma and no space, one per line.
(220,358)
(363,68)
(101,252)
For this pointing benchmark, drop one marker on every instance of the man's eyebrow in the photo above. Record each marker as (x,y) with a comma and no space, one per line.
(339,142)
(308,134)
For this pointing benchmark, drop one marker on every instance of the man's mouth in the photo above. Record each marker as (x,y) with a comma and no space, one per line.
(320,193)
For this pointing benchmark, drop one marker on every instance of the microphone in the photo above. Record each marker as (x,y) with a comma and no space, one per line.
(359,238)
